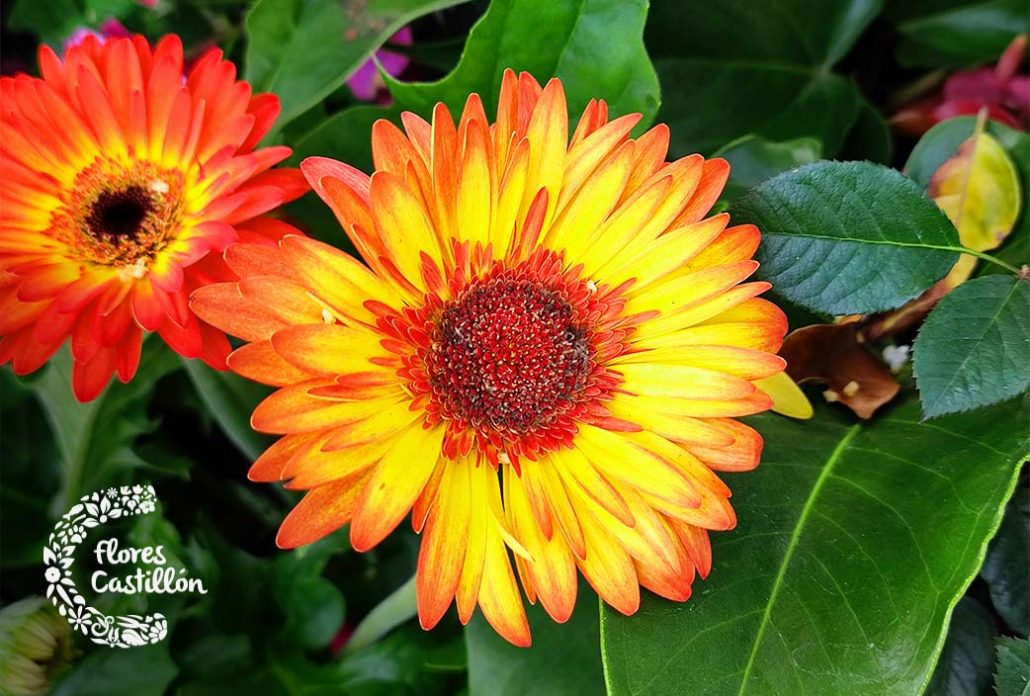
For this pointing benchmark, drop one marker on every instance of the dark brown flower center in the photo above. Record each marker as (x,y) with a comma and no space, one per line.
(508,354)
(119,215)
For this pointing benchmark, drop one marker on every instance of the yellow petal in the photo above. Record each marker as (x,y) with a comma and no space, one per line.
(788,399)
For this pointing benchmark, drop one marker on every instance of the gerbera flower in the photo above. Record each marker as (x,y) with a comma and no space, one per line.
(544,355)
(123,181)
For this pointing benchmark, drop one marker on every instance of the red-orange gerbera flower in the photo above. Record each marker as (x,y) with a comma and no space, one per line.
(545,354)
(123,181)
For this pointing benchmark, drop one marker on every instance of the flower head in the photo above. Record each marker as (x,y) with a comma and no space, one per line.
(544,355)
(366,83)
(35,646)
(123,181)
(999,89)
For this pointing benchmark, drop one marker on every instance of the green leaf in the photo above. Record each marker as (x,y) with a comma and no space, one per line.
(564,659)
(230,399)
(345,136)
(96,440)
(572,40)
(1007,568)
(709,103)
(848,237)
(967,660)
(962,36)
(754,159)
(51,21)
(839,578)
(399,606)
(407,661)
(98,11)
(974,348)
(31,475)
(304,49)
(142,671)
(1013,673)
(869,137)
(313,606)
(799,32)
(739,67)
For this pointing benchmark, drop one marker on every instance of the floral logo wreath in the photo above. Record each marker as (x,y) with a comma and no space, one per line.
(92,511)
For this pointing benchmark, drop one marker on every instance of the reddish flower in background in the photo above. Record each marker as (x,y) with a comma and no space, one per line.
(123,181)
(1004,94)
(109,29)
(367,83)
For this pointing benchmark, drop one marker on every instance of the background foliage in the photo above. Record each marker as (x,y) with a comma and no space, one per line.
(881,556)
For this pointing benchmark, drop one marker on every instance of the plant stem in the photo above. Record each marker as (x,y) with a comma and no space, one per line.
(987,257)
(387,615)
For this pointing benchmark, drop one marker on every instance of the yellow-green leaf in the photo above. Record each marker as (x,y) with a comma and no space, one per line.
(979,191)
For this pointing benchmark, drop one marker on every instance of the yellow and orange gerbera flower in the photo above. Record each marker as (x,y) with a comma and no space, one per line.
(544,355)
(121,176)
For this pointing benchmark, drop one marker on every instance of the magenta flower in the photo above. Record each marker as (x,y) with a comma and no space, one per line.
(109,29)
(367,84)
(1000,89)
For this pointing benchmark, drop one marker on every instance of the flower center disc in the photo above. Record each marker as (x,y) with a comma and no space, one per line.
(118,214)
(508,355)
(115,215)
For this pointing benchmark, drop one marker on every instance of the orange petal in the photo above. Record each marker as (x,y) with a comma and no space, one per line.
(442,553)
(322,511)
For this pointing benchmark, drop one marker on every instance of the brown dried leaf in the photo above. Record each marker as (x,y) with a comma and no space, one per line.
(835,355)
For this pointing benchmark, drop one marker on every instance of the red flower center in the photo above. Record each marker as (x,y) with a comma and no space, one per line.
(508,354)
(515,359)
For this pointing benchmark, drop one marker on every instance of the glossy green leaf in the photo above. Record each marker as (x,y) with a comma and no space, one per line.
(313,606)
(345,136)
(709,103)
(1013,671)
(967,661)
(853,545)
(304,49)
(96,440)
(141,671)
(869,138)
(715,59)
(848,237)
(564,659)
(31,474)
(1007,567)
(961,36)
(230,399)
(407,661)
(974,348)
(754,159)
(572,40)
(798,32)
(51,21)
